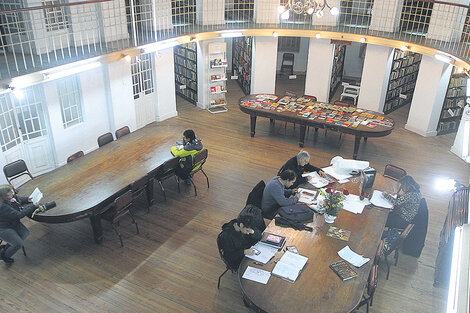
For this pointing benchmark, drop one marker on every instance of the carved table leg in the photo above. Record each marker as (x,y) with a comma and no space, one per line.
(253,124)
(149,192)
(357,142)
(302,135)
(97,228)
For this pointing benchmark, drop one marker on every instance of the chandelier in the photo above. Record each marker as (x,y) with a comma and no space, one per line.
(306,7)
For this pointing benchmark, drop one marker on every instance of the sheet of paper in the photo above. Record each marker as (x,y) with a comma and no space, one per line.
(316,180)
(352,257)
(343,181)
(307,196)
(354,204)
(266,254)
(257,275)
(36,196)
(336,174)
(379,200)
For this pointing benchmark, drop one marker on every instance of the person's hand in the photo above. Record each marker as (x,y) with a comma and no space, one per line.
(295,190)
(249,252)
(30,200)
(322,173)
(37,204)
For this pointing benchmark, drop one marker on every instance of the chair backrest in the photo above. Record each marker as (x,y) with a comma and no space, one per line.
(222,252)
(403,235)
(105,139)
(287,59)
(16,169)
(256,194)
(342,103)
(122,132)
(74,156)
(121,205)
(290,93)
(414,243)
(200,158)
(313,98)
(379,251)
(167,168)
(350,90)
(394,172)
(138,185)
(372,283)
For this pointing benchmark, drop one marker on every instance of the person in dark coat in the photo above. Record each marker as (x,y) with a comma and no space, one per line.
(236,238)
(300,164)
(12,209)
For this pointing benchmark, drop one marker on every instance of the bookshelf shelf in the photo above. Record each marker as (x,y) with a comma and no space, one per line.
(185,57)
(454,103)
(402,80)
(337,70)
(241,61)
(217,78)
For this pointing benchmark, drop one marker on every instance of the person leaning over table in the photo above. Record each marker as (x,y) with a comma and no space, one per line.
(300,164)
(186,151)
(237,237)
(276,194)
(406,204)
(12,231)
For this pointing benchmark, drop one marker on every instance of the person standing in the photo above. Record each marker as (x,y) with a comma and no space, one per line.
(277,194)
(300,164)
(186,150)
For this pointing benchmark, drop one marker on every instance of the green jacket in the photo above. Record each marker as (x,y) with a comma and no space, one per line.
(187,154)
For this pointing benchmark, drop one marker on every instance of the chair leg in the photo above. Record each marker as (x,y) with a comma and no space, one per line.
(207,178)
(218,283)
(119,234)
(192,182)
(163,189)
(388,267)
(178,182)
(396,256)
(24,251)
(133,221)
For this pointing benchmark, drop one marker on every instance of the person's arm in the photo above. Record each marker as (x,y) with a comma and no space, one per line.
(310,168)
(12,214)
(400,200)
(281,199)
(232,253)
(22,200)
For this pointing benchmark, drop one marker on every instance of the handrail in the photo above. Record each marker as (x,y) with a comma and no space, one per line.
(49,6)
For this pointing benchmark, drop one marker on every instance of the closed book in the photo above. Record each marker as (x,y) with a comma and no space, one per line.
(338,233)
(290,266)
(273,240)
(343,270)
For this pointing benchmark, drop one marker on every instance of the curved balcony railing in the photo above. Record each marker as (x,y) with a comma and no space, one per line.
(40,37)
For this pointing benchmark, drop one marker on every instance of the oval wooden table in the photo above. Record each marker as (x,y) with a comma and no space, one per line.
(85,186)
(318,288)
(359,132)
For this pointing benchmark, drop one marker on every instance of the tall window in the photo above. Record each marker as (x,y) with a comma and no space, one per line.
(237,11)
(14,21)
(356,13)
(415,17)
(466,29)
(9,136)
(55,16)
(142,74)
(288,44)
(70,101)
(30,114)
(183,11)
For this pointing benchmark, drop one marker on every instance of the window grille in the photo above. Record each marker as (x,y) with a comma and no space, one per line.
(356,13)
(70,100)
(142,74)
(183,11)
(239,10)
(289,44)
(9,136)
(29,113)
(13,22)
(55,17)
(415,17)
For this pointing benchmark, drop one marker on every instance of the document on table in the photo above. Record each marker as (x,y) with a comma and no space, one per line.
(290,266)
(352,257)
(378,199)
(266,254)
(338,175)
(36,196)
(354,204)
(307,196)
(316,180)
(257,275)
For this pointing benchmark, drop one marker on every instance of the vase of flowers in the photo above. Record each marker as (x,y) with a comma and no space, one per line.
(332,203)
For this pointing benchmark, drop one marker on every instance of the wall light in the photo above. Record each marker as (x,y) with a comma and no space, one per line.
(404,48)
(275,34)
(285,15)
(18,93)
(126,57)
(318,36)
(362,40)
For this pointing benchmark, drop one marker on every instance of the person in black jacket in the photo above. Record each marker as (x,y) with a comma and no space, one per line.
(236,238)
(12,230)
(300,164)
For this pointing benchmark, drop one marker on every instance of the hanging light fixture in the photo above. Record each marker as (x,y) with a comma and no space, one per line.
(306,7)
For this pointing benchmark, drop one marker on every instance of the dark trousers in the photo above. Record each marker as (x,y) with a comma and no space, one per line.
(14,238)
(396,221)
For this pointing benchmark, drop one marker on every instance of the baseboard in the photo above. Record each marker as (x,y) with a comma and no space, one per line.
(431,133)
(166,116)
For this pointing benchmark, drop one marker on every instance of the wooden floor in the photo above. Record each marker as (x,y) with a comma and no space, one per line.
(173,265)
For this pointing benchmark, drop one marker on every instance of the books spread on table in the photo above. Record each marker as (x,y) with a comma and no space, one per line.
(343,270)
(307,196)
(257,275)
(36,196)
(338,233)
(379,200)
(272,240)
(352,257)
(266,253)
(290,266)
(316,180)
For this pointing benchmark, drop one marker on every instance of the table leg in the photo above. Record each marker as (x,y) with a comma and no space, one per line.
(253,124)
(149,192)
(302,135)
(365,139)
(357,142)
(271,122)
(97,228)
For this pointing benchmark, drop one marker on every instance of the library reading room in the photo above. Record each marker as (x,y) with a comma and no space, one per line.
(235,156)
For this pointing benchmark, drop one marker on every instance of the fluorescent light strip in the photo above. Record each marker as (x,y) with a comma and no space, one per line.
(160,46)
(443,58)
(466,130)
(231,34)
(452,296)
(71,71)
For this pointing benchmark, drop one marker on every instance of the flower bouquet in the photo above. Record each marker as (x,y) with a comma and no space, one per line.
(332,202)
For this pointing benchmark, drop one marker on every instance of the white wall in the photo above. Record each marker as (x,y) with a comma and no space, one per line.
(229,42)
(300,58)
(320,61)
(353,61)
(385,15)
(263,73)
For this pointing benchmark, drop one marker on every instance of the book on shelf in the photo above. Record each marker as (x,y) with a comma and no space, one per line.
(290,266)
(338,233)
(273,240)
(343,270)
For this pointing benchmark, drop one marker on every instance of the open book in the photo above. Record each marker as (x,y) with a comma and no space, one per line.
(36,196)
(290,266)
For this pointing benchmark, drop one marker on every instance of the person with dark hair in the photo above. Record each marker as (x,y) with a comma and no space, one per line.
(186,151)
(405,205)
(277,194)
(12,231)
(236,238)
(300,164)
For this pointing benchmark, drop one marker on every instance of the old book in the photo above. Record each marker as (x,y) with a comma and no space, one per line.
(338,233)
(343,270)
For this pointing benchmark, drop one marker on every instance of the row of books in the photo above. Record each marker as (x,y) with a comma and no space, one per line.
(186,63)
(218,77)
(218,89)
(241,61)
(218,101)
(403,80)
(457,92)
(188,93)
(179,69)
(451,113)
(218,63)
(404,62)
(186,81)
(400,90)
(404,71)
(458,82)
(454,102)
(191,55)
(448,126)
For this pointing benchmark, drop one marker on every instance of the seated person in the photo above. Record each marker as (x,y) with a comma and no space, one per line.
(300,164)
(406,205)
(276,195)
(237,237)
(186,151)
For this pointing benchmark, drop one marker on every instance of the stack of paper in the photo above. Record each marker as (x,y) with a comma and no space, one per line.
(307,196)
(316,180)
(378,199)
(338,175)
(352,257)
(266,254)
(257,275)
(354,204)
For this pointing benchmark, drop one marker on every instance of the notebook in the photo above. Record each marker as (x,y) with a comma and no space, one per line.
(290,266)
(343,270)
(272,240)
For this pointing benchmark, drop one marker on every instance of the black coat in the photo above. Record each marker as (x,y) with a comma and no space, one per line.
(299,170)
(12,212)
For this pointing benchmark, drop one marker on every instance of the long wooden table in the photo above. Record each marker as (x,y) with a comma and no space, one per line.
(318,288)
(84,187)
(361,131)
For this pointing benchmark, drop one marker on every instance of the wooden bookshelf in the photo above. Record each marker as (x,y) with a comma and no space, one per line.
(186,71)
(402,81)
(337,70)
(454,103)
(241,61)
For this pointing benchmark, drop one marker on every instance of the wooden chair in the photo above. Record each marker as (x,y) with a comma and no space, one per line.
(368,295)
(167,170)
(138,188)
(122,132)
(118,209)
(74,156)
(287,63)
(222,256)
(396,246)
(15,170)
(105,139)
(394,172)
(198,161)
(380,251)
(351,92)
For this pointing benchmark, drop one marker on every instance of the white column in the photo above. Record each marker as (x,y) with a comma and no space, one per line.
(375,76)
(319,64)
(162,14)
(386,15)
(461,142)
(431,87)
(210,12)
(266,11)
(327,19)
(165,85)
(263,66)
(447,21)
